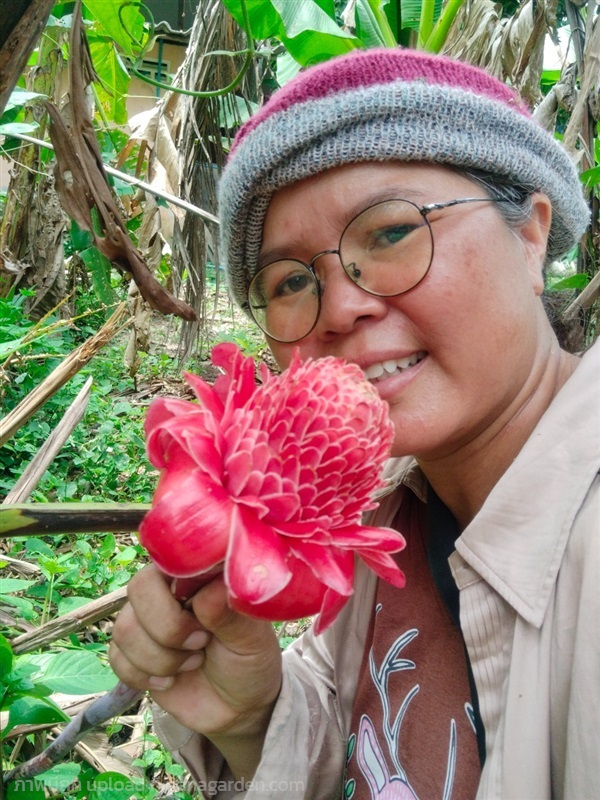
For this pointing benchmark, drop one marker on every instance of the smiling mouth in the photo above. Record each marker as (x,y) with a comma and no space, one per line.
(393,366)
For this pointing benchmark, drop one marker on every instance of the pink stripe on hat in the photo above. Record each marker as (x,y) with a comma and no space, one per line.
(372,67)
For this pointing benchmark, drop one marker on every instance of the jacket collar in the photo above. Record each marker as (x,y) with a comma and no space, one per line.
(517,541)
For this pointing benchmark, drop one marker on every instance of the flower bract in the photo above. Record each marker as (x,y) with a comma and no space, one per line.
(268,481)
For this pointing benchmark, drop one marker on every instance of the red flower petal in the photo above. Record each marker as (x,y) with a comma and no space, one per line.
(301,597)
(256,567)
(385,566)
(188,530)
(330,608)
(332,566)
(208,398)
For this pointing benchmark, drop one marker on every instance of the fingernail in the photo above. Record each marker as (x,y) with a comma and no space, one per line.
(193,662)
(196,641)
(155,682)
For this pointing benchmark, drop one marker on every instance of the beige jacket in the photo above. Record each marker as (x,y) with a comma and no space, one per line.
(528,571)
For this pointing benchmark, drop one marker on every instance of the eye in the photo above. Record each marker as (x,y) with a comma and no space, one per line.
(390,235)
(292,284)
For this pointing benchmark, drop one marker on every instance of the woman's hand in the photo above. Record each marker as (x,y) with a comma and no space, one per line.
(217,672)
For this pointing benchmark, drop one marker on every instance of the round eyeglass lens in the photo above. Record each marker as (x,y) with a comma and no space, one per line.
(284,300)
(388,248)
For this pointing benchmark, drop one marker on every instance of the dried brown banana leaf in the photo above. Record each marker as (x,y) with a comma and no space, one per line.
(82,185)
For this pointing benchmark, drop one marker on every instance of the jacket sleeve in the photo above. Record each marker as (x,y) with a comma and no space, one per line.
(305,746)
(576,663)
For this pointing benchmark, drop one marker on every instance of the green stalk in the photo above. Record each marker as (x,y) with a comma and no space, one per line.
(385,30)
(425,23)
(35,519)
(438,35)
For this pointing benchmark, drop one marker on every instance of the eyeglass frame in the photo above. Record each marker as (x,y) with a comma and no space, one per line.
(423,211)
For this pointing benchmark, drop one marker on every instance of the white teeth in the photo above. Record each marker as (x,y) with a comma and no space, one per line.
(374,371)
(391,365)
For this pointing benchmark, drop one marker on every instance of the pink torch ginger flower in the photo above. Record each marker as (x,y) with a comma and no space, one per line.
(268,483)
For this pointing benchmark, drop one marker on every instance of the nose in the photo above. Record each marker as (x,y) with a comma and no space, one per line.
(343,303)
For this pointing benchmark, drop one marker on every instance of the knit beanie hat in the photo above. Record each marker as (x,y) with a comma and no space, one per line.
(388,105)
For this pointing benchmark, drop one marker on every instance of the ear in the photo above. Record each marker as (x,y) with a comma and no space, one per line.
(534,235)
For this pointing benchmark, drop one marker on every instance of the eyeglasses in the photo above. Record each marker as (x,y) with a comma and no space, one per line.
(386,250)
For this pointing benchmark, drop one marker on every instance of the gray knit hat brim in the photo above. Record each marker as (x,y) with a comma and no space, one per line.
(391,122)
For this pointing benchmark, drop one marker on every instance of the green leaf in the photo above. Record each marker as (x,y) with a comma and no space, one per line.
(372,26)
(25,607)
(20,97)
(99,267)
(308,32)
(125,27)
(107,545)
(6,657)
(410,12)
(265,22)
(114,80)
(579,281)
(34,711)
(77,672)
(61,776)
(25,789)
(126,555)
(12,128)
(81,239)
(8,585)
(287,68)
(71,603)
(112,786)
(307,16)
(39,547)
(591,176)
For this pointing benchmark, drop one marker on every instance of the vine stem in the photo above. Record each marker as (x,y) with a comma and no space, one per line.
(248,52)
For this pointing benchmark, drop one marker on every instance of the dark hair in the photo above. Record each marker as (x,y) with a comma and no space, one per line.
(516,209)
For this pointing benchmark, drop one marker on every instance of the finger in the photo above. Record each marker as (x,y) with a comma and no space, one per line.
(160,615)
(144,652)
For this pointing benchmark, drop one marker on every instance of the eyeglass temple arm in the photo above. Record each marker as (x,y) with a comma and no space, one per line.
(435,206)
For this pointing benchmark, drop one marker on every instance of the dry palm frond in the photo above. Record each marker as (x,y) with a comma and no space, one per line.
(201,128)
(510,48)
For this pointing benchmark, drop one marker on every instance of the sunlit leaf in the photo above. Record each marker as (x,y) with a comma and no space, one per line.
(591,176)
(579,281)
(121,20)
(77,672)
(114,80)
(8,585)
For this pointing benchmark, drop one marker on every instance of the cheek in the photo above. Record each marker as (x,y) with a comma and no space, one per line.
(282,353)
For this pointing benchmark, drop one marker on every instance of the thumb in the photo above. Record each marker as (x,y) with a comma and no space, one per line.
(238,632)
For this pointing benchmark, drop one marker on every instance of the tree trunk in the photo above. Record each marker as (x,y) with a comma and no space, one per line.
(20,27)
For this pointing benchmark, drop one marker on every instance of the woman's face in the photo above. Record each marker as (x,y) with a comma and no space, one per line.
(456,351)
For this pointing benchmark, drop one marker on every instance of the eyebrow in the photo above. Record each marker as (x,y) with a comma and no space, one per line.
(375,197)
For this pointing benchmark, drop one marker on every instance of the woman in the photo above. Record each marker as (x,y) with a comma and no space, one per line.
(397,209)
